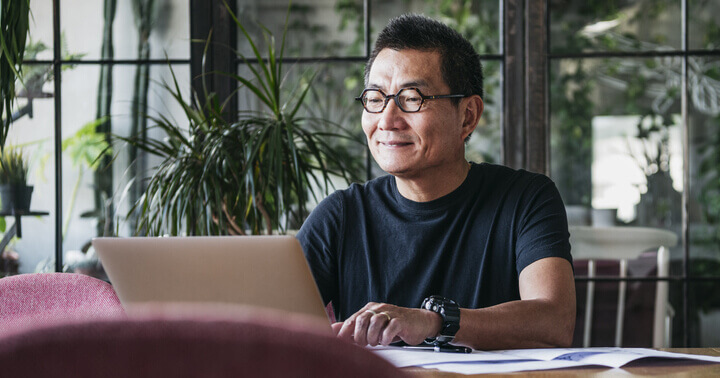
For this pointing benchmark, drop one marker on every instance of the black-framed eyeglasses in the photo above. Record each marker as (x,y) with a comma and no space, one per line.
(409,100)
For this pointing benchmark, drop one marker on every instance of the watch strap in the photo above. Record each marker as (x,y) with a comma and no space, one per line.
(450,313)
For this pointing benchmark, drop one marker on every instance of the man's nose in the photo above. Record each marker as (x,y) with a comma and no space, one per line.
(392,117)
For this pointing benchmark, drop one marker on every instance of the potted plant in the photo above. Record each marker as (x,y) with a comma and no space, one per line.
(14,192)
(254,175)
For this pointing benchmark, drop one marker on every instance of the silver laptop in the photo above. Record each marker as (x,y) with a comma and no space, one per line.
(265,271)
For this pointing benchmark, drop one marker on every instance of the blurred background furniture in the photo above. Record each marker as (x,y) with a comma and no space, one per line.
(171,343)
(623,244)
(47,296)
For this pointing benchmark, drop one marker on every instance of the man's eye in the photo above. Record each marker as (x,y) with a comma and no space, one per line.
(373,100)
(413,100)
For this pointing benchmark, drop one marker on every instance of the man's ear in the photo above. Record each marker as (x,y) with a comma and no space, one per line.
(474,107)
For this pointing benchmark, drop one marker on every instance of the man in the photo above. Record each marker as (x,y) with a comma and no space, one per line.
(483,247)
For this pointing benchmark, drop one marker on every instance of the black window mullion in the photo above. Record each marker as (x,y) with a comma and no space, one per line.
(513,127)
(536,87)
(57,138)
(207,16)
(685,237)
(680,278)
(634,54)
(114,62)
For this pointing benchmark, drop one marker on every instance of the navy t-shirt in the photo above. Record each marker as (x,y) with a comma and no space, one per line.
(369,243)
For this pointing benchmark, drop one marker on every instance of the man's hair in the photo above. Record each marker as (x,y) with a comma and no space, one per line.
(459,62)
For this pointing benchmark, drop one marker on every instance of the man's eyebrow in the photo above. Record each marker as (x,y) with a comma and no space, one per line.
(409,84)
(415,83)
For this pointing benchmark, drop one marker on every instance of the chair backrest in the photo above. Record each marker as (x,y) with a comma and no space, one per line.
(173,345)
(47,296)
(623,244)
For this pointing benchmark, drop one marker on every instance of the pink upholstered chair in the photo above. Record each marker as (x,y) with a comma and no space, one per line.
(251,344)
(36,298)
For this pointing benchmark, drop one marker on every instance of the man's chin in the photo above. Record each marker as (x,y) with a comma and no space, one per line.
(398,166)
(396,170)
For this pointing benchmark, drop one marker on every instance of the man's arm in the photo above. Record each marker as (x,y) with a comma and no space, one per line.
(543,317)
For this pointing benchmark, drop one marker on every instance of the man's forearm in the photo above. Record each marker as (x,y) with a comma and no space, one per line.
(532,323)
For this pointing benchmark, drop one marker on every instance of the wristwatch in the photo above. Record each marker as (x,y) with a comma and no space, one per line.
(450,313)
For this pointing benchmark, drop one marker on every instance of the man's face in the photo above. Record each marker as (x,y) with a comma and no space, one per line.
(407,145)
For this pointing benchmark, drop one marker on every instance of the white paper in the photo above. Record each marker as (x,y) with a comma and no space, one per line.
(610,357)
(506,367)
(505,361)
(404,357)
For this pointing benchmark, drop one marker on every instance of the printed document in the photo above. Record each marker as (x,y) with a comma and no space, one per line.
(505,361)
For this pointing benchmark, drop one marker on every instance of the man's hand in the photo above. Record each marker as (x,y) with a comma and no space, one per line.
(382,324)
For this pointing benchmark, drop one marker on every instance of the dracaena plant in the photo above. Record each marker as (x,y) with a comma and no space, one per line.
(254,175)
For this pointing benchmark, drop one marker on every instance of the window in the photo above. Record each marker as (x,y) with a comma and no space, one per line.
(634,112)
(83,72)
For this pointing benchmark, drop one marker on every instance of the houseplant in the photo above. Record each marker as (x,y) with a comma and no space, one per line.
(14,23)
(254,175)
(14,192)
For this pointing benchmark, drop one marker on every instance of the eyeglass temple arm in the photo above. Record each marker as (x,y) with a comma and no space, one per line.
(443,96)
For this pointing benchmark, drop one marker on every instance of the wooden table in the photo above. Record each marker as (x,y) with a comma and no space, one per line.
(670,368)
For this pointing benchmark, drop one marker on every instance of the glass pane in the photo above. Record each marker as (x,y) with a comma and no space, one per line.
(704,201)
(616,145)
(703,25)
(40,37)
(79,107)
(316,28)
(704,317)
(164,30)
(332,97)
(83,211)
(485,143)
(623,25)
(32,132)
(478,21)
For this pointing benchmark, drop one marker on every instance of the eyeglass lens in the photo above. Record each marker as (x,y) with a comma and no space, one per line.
(408,99)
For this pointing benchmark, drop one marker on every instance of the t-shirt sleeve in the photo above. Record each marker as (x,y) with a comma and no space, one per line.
(320,237)
(543,229)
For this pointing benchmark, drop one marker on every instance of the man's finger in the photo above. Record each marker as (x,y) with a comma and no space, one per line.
(336,327)
(377,324)
(390,332)
(347,328)
(362,322)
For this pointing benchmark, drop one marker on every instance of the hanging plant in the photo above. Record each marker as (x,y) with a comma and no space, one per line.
(14,22)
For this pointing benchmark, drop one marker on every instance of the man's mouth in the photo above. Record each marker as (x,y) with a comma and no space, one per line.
(394,143)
